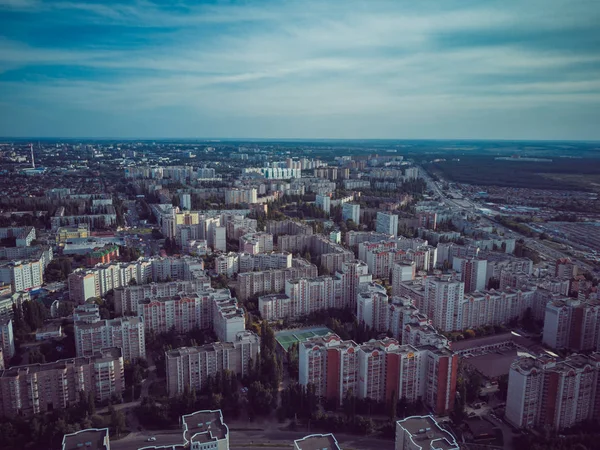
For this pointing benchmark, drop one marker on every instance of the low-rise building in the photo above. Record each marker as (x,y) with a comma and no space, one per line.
(423,433)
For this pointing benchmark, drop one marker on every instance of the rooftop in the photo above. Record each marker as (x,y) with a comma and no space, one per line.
(204,426)
(90,439)
(317,442)
(425,432)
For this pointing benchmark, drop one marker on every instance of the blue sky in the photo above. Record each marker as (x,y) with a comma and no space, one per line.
(510,69)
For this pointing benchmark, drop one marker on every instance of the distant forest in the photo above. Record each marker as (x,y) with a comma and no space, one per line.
(485,170)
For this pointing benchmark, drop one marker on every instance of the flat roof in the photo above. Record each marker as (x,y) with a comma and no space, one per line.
(204,426)
(494,364)
(425,432)
(90,439)
(317,442)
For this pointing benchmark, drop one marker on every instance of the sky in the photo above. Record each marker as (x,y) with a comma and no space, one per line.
(427,69)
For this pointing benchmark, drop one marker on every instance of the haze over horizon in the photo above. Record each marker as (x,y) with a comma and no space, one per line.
(447,69)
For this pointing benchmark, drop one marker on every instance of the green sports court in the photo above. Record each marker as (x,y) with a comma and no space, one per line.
(285,338)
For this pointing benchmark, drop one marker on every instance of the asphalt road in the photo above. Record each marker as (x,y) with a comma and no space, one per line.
(273,439)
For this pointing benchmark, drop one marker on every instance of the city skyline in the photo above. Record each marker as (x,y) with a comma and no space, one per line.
(301,70)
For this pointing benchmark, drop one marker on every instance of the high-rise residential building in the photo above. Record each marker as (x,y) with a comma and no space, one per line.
(251,284)
(387,223)
(547,393)
(210,308)
(22,275)
(402,271)
(423,433)
(96,282)
(236,196)
(565,268)
(330,364)
(323,202)
(351,211)
(353,274)
(442,300)
(259,242)
(7,340)
(473,272)
(185,201)
(335,236)
(317,442)
(572,324)
(308,295)
(39,388)
(127,298)
(190,367)
(373,308)
(380,370)
(126,333)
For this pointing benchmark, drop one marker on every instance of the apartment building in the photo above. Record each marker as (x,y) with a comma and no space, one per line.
(106,277)
(236,196)
(387,223)
(330,364)
(191,366)
(381,370)
(356,237)
(23,267)
(24,236)
(373,308)
(565,268)
(232,263)
(423,433)
(546,392)
(127,298)
(473,273)
(493,307)
(39,388)
(402,271)
(275,306)
(572,324)
(89,439)
(351,211)
(308,295)
(352,275)
(442,300)
(323,202)
(210,308)
(126,333)
(251,284)
(7,340)
(254,243)
(287,227)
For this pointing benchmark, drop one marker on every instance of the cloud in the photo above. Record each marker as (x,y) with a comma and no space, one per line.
(261,65)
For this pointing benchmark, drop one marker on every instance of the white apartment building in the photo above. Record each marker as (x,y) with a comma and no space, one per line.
(402,271)
(191,366)
(7,341)
(387,223)
(351,211)
(323,202)
(22,275)
(275,306)
(126,333)
(236,196)
(254,243)
(373,308)
(442,300)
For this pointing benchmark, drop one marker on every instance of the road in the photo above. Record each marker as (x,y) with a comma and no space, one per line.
(549,253)
(242,439)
